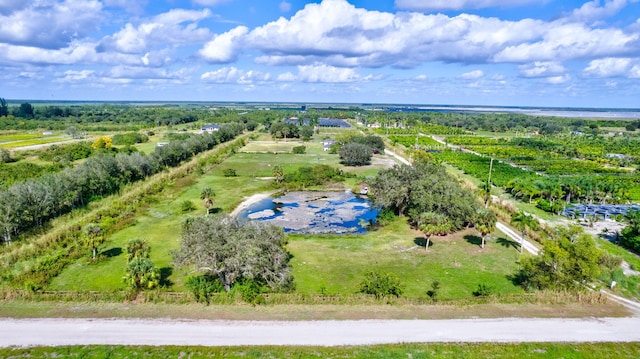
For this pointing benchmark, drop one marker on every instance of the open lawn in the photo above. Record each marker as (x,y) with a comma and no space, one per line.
(34,141)
(336,264)
(13,137)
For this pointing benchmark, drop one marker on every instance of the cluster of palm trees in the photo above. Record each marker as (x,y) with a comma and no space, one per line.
(560,191)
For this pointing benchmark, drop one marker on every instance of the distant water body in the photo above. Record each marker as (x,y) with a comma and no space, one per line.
(555,112)
(571,112)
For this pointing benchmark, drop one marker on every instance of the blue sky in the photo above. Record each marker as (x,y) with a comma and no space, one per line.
(468,52)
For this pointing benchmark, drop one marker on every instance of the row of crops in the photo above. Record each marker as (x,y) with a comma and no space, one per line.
(542,169)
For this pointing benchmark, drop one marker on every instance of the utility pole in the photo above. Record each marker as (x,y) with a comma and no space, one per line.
(486,203)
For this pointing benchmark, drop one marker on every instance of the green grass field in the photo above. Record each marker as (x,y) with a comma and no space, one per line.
(34,141)
(12,137)
(415,351)
(334,264)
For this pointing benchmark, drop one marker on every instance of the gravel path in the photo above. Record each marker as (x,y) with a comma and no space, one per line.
(56,332)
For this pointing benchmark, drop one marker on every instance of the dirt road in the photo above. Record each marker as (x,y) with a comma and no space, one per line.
(55,332)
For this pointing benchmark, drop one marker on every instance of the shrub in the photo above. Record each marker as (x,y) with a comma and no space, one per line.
(129,138)
(483,291)
(299,150)
(380,285)
(249,291)
(137,248)
(203,286)
(433,292)
(187,206)
(385,215)
(313,176)
(610,261)
(5,156)
(229,172)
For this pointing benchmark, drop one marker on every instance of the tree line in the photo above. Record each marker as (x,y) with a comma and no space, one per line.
(30,204)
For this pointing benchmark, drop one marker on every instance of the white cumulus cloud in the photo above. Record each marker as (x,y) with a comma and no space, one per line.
(48,24)
(542,69)
(161,30)
(225,47)
(234,75)
(592,11)
(557,80)
(608,67)
(321,73)
(562,41)
(472,75)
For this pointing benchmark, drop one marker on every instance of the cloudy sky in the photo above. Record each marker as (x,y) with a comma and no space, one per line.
(560,53)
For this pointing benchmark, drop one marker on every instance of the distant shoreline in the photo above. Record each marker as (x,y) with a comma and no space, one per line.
(567,112)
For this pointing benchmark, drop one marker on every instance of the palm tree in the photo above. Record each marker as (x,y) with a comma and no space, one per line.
(485,191)
(137,248)
(207,195)
(142,274)
(431,223)
(485,223)
(92,237)
(522,221)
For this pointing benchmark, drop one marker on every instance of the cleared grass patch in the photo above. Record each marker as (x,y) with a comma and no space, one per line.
(18,137)
(336,264)
(34,141)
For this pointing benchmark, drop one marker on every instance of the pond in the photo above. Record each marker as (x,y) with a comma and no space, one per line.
(314,212)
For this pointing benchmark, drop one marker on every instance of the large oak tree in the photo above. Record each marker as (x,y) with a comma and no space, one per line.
(233,250)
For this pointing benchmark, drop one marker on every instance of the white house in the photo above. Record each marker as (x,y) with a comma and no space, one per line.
(210,128)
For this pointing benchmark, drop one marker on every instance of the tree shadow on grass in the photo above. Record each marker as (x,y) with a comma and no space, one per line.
(516,278)
(421,241)
(475,240)
(215,210)
(508,243)
(112,252)
(165,272)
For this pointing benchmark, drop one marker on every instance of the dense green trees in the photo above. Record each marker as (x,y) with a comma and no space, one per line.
(631,234)
(235,251)
(25,110)
(305,177)
(29,204)
(284,130)
(424,188)
(355,154)
(67,153)
(128,139)
(567,260)
(4,108)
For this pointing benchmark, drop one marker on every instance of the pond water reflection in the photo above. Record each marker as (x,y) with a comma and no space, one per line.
(314,212)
